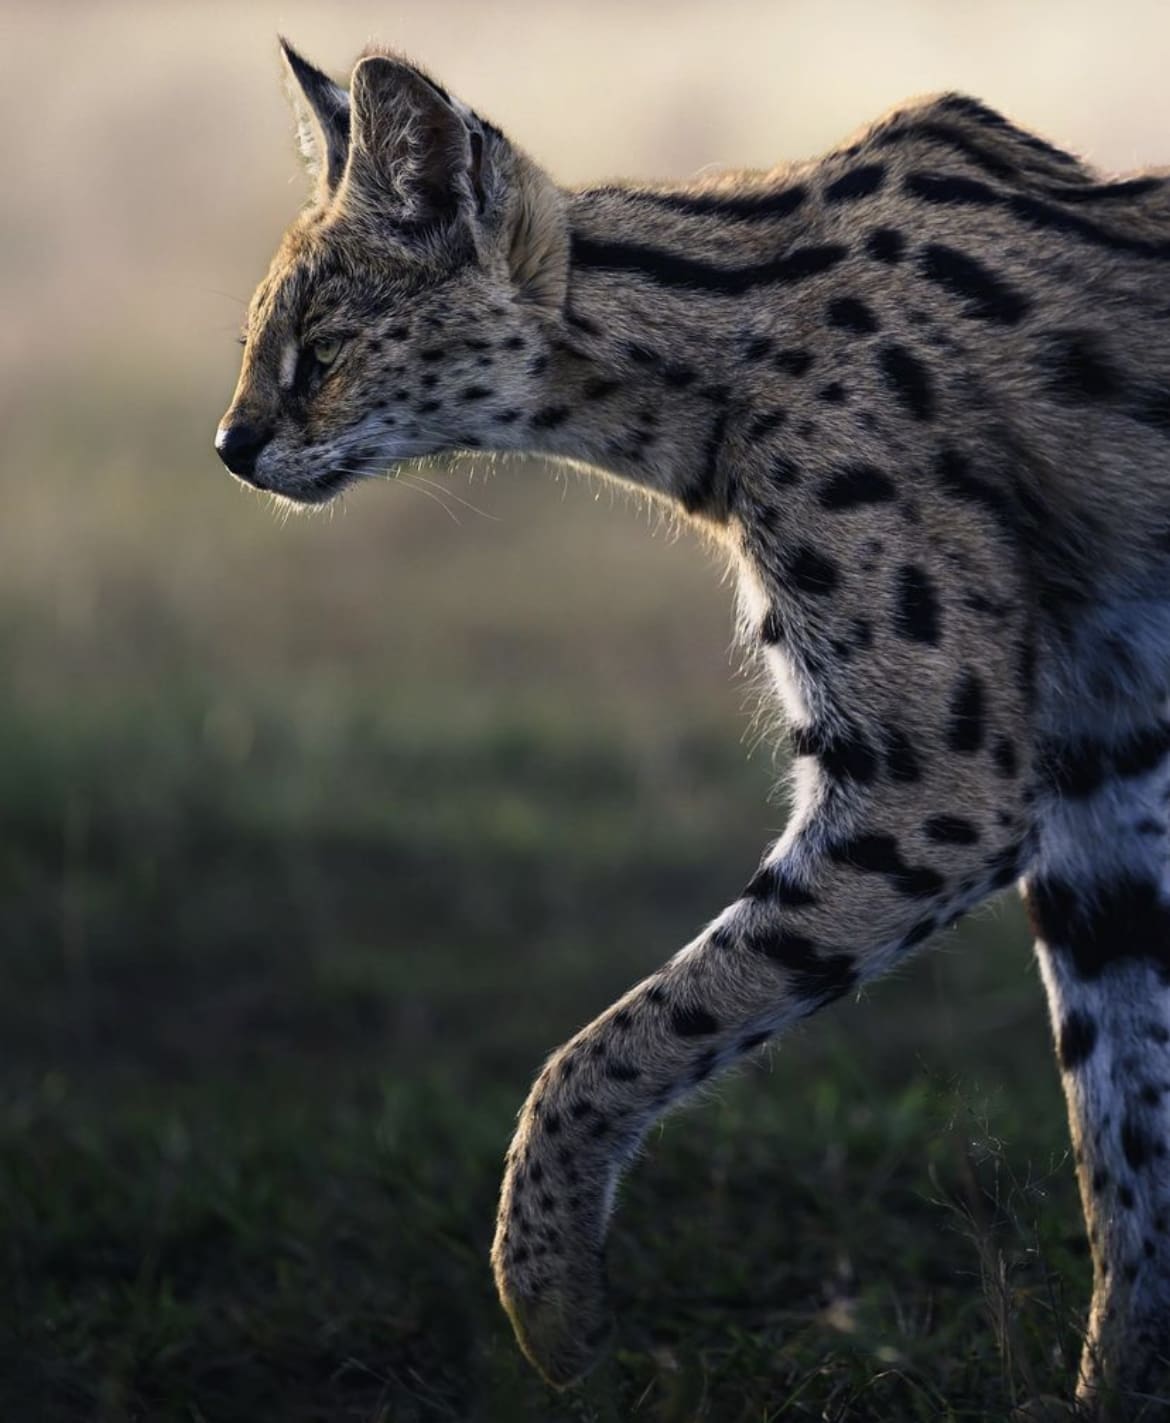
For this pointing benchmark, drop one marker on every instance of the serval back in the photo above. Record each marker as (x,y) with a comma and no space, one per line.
(919,390)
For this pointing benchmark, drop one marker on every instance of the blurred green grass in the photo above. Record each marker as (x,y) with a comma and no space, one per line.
(316,839)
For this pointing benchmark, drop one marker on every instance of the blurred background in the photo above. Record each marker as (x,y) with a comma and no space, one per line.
(318,833)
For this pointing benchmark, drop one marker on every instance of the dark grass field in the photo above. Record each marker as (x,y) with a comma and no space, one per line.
(273,994)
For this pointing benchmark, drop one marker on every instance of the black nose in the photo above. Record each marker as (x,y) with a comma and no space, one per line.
(239,444)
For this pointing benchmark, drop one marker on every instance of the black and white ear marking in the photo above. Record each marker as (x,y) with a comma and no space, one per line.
(322,109)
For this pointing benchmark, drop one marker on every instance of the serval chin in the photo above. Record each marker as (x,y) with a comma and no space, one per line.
(919,389)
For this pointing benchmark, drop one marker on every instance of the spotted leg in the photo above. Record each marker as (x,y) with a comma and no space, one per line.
(1099,898)
(827,911)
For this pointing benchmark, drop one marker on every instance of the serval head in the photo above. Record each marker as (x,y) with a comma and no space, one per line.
(408,308)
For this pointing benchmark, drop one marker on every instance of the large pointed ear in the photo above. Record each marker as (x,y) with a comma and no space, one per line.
(426,160)
(411,148)
(322,109)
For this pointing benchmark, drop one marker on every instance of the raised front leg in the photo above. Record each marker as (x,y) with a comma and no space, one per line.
(1099,898)
(831,909)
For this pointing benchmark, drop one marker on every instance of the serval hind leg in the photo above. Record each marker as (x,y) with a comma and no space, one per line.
(1099,899)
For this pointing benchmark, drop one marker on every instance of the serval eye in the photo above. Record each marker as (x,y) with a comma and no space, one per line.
(326,352)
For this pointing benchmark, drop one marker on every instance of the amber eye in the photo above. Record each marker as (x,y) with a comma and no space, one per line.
(326,352)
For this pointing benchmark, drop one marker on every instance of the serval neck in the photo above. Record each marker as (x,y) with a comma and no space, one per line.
(638,383)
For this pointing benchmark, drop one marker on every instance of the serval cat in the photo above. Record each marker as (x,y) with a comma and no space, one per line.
(919,389)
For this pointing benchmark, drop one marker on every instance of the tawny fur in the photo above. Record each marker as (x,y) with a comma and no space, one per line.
(919,389)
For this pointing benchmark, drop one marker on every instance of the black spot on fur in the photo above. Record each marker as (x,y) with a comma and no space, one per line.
(833,394)
(987,297)
(764,425)
(1078,1038)
(771,629)
(1078,369)
(550,417)
(698,492)
(1143,751)
(885,244)
(1125,1197)
(1074,769)
(476,392)
(794,362)
(622,1071)
(1080,768)
(858,183)
(955,479)
(848,313)
(773,883)
(909,380)
(757,348)
(916,614)
(879,854)
(844,755)
(1003,754)
(950,830)
(856,485)
(692,1022)
(901,758)
(1096,926)
(965,725)
(817,977)
(676,375)
(812,573)
(600,388)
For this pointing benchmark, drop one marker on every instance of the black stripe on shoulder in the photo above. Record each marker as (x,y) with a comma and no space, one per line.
(989,118)
(777,202)
(668,269)
(1106,192)
(1047,217)
(990,162)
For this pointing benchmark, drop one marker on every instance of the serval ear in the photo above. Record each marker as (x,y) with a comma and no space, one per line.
(429,164)
(322,110)
(412,153)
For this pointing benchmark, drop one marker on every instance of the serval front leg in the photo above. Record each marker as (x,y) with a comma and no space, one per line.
(831,908)
(1099,897)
